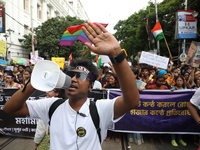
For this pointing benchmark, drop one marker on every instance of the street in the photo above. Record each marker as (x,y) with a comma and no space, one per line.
(13,143)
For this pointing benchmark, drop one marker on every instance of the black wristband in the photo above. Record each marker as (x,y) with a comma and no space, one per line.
(119,58)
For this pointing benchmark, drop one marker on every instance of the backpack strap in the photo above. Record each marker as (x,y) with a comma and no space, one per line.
(95,118)
(54,106)
(93,112)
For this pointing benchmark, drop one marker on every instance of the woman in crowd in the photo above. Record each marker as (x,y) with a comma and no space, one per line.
(174,73)
(179,85)
(159,80)
(27,76)
(186,76)
(10,81)
(112,82)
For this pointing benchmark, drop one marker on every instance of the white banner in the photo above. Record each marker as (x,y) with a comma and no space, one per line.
(154,60)
(35,58)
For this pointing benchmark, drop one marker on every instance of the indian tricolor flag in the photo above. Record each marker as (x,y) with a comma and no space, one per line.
(93,53)
(157,31)
(70,57)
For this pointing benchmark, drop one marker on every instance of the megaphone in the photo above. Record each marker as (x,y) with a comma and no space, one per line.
(47,75)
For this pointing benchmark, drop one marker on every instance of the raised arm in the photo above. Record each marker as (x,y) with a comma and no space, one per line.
(16,104)
(193,112)
(105,43)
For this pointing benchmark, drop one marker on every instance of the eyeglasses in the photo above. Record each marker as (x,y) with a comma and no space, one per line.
(79,75)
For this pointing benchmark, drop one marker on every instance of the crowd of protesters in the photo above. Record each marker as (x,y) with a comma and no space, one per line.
(175,77)
(15,76)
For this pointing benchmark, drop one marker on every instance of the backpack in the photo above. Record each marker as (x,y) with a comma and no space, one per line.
(93,112)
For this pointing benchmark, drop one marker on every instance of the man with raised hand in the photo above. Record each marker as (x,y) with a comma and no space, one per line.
(71,124)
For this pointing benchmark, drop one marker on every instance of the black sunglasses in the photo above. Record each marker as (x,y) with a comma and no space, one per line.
(79,75)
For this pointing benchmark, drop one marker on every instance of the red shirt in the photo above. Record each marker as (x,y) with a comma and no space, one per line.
(153,86)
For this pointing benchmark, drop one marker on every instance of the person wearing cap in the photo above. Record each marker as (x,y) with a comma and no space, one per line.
(165,76)
(71,124)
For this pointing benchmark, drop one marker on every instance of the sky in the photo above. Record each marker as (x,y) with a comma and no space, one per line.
(111,11)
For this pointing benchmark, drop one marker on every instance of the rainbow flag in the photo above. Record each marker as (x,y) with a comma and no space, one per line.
(75,33)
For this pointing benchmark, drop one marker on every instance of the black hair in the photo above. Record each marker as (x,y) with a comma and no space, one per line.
(22,66)
(152,68)
(174,69)
(146,67)
(29,71)
(61,93)
(159,76)
(116,79)
(180,76)
(136,72)
(11,74)
(87,64)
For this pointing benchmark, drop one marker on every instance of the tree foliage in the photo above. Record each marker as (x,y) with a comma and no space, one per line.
(135,35)
(48,36)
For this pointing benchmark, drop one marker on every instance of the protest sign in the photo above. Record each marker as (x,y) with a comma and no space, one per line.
(160,111)
(193,55)
(154,60)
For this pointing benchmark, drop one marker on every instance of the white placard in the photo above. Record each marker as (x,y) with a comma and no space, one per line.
(104,58)
(154,60)
(35,57)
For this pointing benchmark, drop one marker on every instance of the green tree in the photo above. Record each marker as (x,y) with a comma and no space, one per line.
(135,35)
(48,36)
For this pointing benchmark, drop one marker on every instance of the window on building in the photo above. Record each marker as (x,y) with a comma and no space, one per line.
(26,29)
(48,12)
(71,3)
(26,5)
(57,13)
(39,12)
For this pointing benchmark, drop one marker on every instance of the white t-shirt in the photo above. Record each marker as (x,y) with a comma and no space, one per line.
(65,121)
(41,130)
(195,100)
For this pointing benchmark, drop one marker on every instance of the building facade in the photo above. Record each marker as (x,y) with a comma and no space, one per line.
(23,15)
